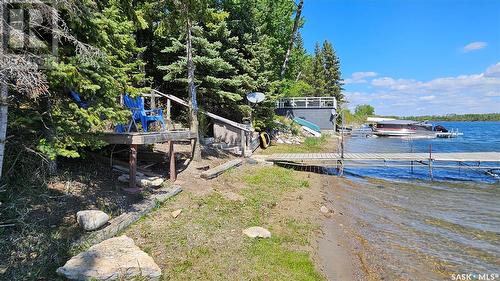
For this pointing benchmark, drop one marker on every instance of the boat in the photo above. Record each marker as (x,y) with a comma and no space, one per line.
(410,128)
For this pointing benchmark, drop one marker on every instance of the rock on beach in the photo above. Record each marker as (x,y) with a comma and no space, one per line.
(113,259)
(257,232)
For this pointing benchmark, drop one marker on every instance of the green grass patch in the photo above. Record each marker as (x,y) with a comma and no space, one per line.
(310,145)
(206,242)
(275,262)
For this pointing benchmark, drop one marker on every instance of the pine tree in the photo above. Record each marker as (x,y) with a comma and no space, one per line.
(316,77)
(218,62)
(100,82)
(333,82)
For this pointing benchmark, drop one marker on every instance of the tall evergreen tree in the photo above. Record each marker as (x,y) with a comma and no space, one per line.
(217,60)
(333,76)
(316,77)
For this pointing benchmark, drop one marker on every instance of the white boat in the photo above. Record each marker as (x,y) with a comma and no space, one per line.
(413,129)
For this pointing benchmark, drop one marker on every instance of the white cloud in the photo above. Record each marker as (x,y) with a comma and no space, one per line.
(359,77)
(474,93)
(427,98)
(493,71)
(474,46)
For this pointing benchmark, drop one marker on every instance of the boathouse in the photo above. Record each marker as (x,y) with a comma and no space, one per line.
(318,110)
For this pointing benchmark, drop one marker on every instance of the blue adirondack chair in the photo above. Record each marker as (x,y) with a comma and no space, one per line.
(76,97)
(139,114)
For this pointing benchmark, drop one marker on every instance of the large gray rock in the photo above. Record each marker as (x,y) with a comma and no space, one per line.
(113,259)
(257,231)
(91,219)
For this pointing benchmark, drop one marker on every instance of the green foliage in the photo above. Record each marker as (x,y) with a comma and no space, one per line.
(456,117)
(364,110)
(310,145)
(58,126)
(332,74)
(358,117)
(238,47)
(298,88)
(317,75)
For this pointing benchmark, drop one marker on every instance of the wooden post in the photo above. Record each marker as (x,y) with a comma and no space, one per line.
(132,166)
(243,143)
(152,100)
(169,120)
(430,161)
(173,173)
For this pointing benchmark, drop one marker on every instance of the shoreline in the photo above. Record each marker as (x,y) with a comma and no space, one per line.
(336,257)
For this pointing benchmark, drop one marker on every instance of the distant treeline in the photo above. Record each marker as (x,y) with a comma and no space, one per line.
(454,117)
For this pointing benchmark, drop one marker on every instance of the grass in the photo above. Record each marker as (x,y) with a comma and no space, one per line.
(310,145)
(206,242)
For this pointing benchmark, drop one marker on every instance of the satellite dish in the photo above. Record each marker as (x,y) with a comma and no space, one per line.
(256,97)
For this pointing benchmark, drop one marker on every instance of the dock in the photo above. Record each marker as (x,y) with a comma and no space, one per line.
(460,160)
(319,158)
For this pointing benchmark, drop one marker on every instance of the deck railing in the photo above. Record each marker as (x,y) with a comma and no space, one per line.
(307,102)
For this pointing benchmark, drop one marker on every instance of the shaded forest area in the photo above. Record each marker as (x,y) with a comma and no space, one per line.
(204,51)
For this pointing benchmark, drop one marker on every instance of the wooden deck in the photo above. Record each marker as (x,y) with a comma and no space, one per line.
(133,139)
(334,157)
(147,138)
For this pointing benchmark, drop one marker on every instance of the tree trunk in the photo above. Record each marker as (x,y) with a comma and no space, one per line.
(3,122)
(3,89)
(292,38)
(193,108)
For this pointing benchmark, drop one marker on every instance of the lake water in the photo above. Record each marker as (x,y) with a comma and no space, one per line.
(423,229)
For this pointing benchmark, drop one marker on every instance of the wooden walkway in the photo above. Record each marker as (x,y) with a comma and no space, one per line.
(334,157)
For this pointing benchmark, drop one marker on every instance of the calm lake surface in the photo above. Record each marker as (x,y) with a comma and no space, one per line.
(423,229)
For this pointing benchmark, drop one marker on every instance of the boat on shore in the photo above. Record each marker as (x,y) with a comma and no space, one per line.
(410,128)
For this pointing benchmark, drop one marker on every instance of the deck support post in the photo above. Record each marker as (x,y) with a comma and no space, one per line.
(173,173)
(430,161)
(132,166)
(243,143)
(169,113)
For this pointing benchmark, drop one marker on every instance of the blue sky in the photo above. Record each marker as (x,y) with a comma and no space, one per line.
(413,57)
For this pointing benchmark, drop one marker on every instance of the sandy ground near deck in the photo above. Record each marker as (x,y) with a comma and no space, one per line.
(326,239)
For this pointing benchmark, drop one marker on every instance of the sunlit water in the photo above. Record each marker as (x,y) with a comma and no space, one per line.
(428,229)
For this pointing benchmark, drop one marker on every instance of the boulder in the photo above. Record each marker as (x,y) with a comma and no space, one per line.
(91,219)
(257,231)
(113,259)
(324,210)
